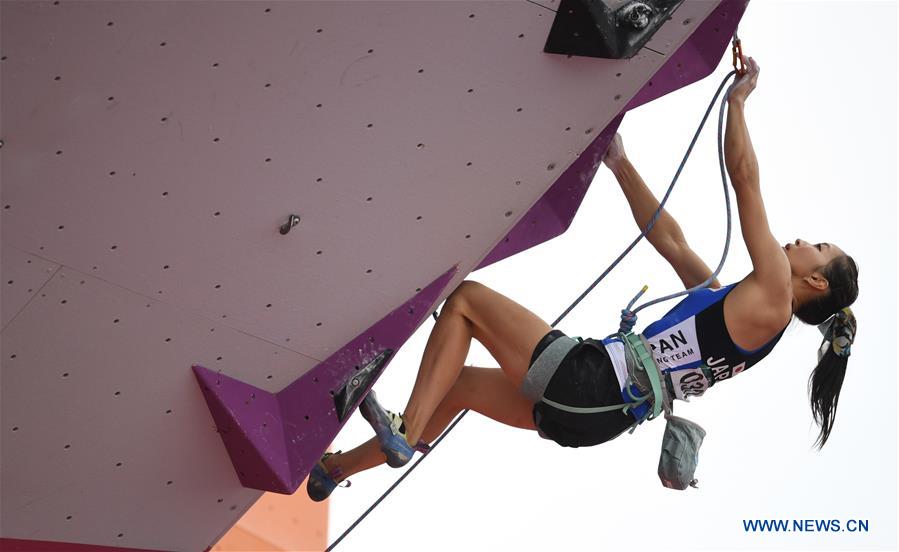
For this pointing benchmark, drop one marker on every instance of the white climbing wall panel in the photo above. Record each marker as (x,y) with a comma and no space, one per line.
(152,150)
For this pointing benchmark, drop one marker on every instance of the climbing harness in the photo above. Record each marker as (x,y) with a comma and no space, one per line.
(638,358)
(669,467)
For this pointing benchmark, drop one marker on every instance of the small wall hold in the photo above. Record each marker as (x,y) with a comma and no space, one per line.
(291,222)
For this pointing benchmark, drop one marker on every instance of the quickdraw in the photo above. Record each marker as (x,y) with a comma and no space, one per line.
(737,50)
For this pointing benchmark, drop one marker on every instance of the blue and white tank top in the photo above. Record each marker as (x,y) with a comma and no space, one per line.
(692,346)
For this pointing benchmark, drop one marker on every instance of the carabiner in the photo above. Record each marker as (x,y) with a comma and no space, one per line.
(737,50)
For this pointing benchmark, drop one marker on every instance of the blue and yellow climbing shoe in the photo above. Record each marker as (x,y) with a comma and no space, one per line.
(321,481)
(390,429)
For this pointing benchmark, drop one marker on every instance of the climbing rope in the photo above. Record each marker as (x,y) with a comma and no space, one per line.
(628,316)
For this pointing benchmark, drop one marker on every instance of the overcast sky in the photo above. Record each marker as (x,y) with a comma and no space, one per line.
(823,123)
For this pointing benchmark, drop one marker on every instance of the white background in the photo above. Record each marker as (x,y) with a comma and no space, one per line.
(823,124)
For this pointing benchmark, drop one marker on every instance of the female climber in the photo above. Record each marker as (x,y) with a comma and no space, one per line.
(728,329)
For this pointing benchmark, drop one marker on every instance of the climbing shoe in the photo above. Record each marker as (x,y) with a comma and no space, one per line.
(391,432)
(322,482)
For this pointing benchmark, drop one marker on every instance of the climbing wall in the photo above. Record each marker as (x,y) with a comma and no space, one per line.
(151,154)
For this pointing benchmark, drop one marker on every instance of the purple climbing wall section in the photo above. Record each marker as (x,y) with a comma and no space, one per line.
(697,57)
(274,439)
(555,210)
(552,214)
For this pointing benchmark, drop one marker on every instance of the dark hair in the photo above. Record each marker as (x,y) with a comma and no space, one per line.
(827,378)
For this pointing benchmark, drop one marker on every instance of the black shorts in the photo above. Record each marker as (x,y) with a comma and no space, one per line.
(585,378)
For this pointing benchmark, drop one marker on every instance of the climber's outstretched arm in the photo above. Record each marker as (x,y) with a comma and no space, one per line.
(666,235)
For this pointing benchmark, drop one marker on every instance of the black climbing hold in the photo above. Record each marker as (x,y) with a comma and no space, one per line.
(589,28)
(358,384)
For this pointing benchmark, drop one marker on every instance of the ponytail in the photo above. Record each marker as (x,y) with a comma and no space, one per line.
(837,323)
